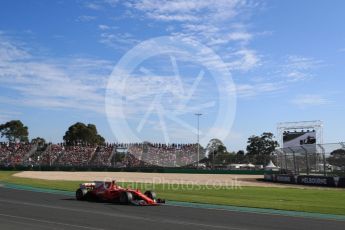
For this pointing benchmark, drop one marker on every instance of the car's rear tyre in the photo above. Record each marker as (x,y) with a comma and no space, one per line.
(126,198)
(151,195)
(81,194)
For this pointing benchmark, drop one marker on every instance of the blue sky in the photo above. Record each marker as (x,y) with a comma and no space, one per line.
(286,59)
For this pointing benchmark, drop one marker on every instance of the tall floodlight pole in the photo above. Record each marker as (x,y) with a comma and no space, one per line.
(198,117)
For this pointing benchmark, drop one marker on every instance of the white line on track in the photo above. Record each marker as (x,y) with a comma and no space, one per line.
(138,218)
(49,222)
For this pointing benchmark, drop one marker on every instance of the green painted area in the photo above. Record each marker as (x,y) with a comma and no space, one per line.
(7,176)
(34,189)
(319,201)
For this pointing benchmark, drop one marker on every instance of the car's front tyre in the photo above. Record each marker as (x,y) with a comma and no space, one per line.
(151,195)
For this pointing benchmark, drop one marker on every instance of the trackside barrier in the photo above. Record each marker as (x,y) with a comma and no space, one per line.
(316,181)
(341,182)
(289,179)
(268,177)
(324,181)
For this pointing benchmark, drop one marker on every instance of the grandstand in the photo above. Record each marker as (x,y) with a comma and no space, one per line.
(102,156)
(110,155)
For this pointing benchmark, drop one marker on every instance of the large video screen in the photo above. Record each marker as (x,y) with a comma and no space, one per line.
(298,138)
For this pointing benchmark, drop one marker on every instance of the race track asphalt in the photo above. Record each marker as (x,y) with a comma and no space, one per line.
(32,210)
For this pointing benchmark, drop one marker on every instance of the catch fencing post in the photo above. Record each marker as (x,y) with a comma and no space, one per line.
(343,146)
(285,159)
(306,158)
(294,160)
(323,159)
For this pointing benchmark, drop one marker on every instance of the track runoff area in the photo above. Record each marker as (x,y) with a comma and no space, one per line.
(29,208)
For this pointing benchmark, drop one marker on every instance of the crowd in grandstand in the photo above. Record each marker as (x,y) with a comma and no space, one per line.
(102,156)
(134,155)
(75,156)
(4,152)
(173,155)
(14,153)
(51,154)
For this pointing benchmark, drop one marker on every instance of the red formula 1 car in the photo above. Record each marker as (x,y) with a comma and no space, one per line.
(111,192)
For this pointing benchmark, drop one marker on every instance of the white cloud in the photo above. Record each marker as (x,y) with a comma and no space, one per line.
(219,24)
(118,40)
(296,75)
(308,100)
(80,83)
(240,36)
(197,16)
(9,52)
(192,10)
(294,70)
(212,21)
(103,27)
(100,4)
(216,24)
(298,68)
(303,63)
(252,90)
(47,83)
(179,95)
(201,28)
(7,115)
(93,6)
(245,59)
(85,18)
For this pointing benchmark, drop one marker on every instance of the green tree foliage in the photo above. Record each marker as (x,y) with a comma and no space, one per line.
(337,158)
(240,158)
(225,158)
(40,141)
(14,131)
(79,133)
(41,144)
(259,148)
(215,148)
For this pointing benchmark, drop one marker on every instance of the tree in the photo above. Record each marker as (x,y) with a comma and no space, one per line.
(260,148)
(14,131)
(38,140)
(240,157)
(225,158)
(215,147)
(337,158)
(79,133)
(240,153)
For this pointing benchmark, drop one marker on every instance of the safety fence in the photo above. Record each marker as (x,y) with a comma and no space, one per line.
(314,159)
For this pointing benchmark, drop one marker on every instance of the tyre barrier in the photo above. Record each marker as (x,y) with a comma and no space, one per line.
(324,181)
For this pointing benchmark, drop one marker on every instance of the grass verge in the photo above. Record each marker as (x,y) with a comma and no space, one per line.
(326,201)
